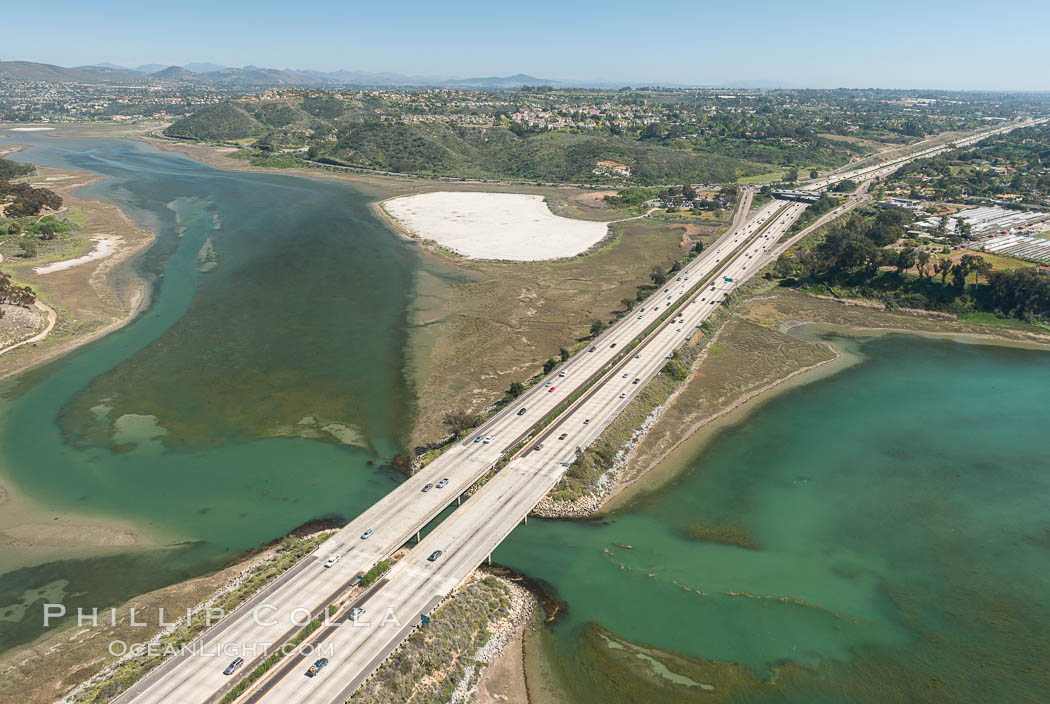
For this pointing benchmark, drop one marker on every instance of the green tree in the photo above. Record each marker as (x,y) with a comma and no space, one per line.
(458,421)
(596,328)
(814,174)
(981,266)
(564,353)
(659,276)
(943,267)
(516,389)
(28,247)
(905,260)
(784,266)
(922,259)
(549,365)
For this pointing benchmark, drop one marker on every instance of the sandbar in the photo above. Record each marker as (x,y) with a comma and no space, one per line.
(501,226)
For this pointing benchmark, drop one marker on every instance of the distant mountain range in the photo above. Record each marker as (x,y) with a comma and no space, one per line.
(254,76)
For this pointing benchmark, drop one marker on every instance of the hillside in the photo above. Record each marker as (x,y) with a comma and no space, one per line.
(221,122)
(174,73)
(498,153)
(32,71)
(344,133)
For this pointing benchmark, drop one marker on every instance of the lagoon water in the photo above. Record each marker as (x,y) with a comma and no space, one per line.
(899,539)
(883,531)
(279,311)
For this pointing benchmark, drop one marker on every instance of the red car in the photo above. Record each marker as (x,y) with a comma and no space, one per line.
(563,436)
(550,389)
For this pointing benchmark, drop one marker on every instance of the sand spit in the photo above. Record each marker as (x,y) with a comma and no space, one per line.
(105,245)
(503,226)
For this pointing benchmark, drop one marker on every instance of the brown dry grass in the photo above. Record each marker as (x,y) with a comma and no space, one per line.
(743,358)
(90,299)
(485,324)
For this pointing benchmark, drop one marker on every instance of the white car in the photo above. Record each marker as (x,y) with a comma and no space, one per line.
(488,439)
(623,395)
(355,612)
(330,562)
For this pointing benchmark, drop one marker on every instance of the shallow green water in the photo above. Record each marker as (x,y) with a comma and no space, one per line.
(898,508)
(901,513)
(292,318)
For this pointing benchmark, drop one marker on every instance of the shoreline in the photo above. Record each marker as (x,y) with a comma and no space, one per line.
(133,298)
(736,411)
(700,434)
(629,482)
(29,529)
(33,533)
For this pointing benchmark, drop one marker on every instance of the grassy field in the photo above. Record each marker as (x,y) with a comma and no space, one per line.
(998,261)
(992,320)
(482,325)
(769,177)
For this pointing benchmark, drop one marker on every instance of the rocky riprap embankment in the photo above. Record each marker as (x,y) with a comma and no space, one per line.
(522,603)
(590,504)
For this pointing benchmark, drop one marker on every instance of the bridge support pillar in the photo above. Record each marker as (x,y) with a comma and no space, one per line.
(490,558)
(417,537)
(526,519)
(458,498)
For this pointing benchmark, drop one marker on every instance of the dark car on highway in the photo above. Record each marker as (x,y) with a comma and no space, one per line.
(317,667)
(434,556)
(232,667)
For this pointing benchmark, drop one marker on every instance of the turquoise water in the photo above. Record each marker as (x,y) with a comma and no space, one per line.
(899,544)
(899,511)
(190,419)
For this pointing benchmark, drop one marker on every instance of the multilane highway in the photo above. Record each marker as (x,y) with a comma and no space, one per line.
(473,531)
(465,538)
(885,168)
(196,676)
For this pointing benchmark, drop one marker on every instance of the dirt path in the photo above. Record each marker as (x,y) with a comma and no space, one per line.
(52,318)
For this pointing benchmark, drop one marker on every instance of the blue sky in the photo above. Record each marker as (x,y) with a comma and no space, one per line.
(921,43)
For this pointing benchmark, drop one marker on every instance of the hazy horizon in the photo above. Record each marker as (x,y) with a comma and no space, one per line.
(939,45)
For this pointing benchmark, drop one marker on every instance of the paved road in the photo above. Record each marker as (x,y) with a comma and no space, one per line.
(886,168)
(196,676)
(473,531)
